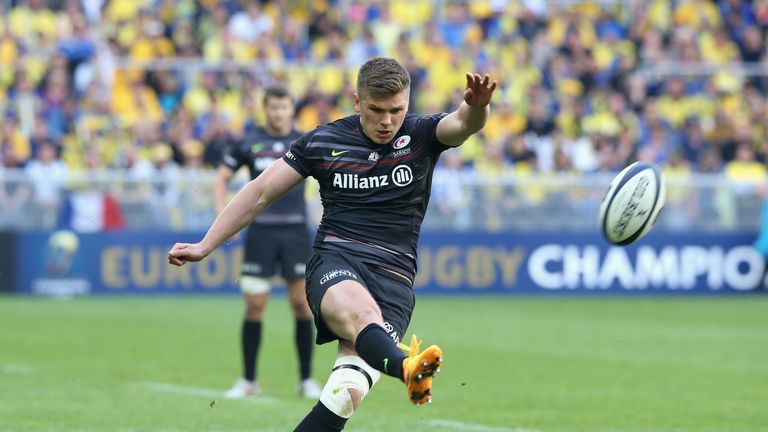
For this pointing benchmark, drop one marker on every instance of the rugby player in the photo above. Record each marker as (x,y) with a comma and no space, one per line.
(375,171)
(277,240)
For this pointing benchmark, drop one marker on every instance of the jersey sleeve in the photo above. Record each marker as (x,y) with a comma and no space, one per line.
(233,158)
(296,156)
(426,128)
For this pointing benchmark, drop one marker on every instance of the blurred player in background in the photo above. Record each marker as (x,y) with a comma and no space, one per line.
(375,172)
(276,241)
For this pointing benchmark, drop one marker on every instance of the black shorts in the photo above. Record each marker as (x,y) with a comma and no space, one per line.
(269,247)
(392,293)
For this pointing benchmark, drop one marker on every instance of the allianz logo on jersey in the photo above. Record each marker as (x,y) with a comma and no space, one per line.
(401,175)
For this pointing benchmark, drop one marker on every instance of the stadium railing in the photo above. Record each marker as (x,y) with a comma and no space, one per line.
(462,201)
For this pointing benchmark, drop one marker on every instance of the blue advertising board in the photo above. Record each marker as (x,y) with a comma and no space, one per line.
(584,263)
(64,263)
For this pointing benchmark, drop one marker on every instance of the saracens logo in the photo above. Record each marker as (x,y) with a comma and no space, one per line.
(401,142)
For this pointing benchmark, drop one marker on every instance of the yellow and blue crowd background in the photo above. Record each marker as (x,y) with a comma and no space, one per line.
(115,113)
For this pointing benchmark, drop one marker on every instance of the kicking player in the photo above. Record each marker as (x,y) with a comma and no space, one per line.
(375,171)
(278,238)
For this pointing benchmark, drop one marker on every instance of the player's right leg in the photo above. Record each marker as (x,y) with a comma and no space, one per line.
(396,309)
(342,307)
(373,318)
(418,370)
(346,310)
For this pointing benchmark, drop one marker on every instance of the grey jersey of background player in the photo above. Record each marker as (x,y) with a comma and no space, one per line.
(258,150)
(277,242)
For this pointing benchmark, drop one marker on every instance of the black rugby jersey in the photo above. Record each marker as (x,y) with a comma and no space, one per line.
(374,196)
(258,150)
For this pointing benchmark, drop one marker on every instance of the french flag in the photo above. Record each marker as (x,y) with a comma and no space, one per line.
(87,211)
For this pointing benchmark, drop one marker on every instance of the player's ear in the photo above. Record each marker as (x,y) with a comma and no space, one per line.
(357,103)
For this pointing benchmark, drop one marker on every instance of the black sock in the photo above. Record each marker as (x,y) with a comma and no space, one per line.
(250,340)
(321,419)
(304,346)
(379,350)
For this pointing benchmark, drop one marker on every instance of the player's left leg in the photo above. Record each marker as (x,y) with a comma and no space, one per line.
(303,335)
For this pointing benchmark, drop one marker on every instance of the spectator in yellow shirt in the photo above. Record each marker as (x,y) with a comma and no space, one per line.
(674,107)
(697,14)
(30,18)
(14,146)
(505,120)
(745,172)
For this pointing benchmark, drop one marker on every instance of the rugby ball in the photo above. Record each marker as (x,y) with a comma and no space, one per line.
(632,203)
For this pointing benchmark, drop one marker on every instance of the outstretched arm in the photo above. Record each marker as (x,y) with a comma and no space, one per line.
(471,115)
(250,202)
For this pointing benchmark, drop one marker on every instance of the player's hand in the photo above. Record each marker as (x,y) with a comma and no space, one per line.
(479,90)
(181,253)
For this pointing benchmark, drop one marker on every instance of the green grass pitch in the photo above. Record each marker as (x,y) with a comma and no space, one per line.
(511,364)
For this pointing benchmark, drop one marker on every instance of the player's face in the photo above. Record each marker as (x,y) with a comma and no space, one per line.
(382,118)
(279,113)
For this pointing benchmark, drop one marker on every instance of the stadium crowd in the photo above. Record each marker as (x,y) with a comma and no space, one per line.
(150,86)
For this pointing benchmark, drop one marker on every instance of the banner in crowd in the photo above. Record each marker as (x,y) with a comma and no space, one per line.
(65,263)
(545,262)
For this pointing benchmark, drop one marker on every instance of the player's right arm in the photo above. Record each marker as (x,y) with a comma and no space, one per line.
(249,203)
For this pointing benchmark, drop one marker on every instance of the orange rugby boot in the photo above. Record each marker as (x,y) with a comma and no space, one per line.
(418,370)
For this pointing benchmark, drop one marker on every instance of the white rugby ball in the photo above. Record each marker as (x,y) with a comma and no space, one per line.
(632,203)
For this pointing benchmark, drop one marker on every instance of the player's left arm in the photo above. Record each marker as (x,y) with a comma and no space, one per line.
(470,117)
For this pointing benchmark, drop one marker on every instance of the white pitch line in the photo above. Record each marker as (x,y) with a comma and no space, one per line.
(473,427)
(16,369)
(199,391)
